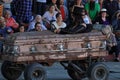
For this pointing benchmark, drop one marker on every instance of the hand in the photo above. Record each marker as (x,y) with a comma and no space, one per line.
(57,30)
(84,24)
(1,37)
(110,44)
(114,44)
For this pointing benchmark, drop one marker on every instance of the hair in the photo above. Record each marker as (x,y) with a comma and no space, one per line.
(50,5)
(107,28)
(21,25)
(37,16)
(37,23)
(92,5)
(7,11)
(115,14)
(58,14)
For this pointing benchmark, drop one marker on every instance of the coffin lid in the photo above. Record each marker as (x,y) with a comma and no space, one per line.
(48,34)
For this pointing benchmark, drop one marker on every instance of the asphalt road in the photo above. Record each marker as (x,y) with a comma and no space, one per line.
(57,72)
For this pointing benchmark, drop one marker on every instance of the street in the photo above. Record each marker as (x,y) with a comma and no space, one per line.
(57,72)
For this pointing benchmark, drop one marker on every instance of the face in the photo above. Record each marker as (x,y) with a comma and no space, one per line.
(2,22)
(38,27)
(59,18)
(54,1)
(83,12)
(104,14)
(7,14)
(61,1)
(38,18)
(100,1)
(52,8)
(79,1)
(22,29)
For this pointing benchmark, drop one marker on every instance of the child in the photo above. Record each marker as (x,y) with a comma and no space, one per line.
(111,42)
(21,28)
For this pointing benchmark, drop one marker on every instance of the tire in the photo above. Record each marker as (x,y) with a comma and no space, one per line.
(9,71)
(98,71)
(73,74)
(34,72)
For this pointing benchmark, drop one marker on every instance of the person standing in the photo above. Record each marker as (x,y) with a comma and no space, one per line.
(23,10)
(92,9)
(111,6)
(41,7)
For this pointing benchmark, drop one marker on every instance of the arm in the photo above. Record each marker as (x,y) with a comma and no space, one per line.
(7,1)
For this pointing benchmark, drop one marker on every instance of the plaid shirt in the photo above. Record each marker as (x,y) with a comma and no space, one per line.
(23,10)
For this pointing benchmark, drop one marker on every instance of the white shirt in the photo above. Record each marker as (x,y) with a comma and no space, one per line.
(7,3)
(42,1)
(49,17)
(63,25)
(86,19)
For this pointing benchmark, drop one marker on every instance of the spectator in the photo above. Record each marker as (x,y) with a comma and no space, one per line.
(38,18)
(103,18)
(101,4)
(85,17)
(40,7)
(116,27)
(4,31)
(38,27)
(55,4)
(21,28)
(118,4)
(13,8)
(116,21)
(111,42)
(79,25)
(58,24)
(111,6)
(92,9)
(76,9)
(77,3)
(23,9)
(49,16)
(63,10)
(10,21)
(66,3)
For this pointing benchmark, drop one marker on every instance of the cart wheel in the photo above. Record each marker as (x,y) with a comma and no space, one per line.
(10,71)
(75,75)
(34,72)
(98,71)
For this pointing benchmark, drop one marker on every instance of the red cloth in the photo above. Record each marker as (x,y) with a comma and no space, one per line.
(62,12)
(10,22)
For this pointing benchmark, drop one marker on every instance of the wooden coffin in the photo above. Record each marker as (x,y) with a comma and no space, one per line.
(47,46)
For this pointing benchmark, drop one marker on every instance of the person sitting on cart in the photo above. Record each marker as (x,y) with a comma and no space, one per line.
(112,46)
